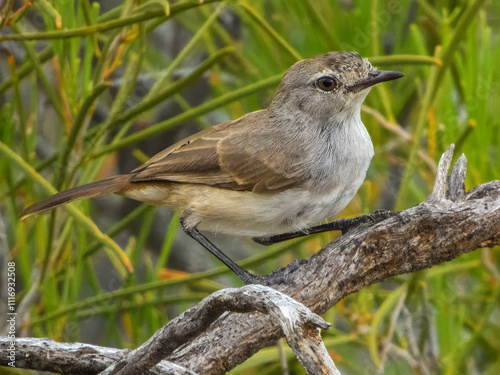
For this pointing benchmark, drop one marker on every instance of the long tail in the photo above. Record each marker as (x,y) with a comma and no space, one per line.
(95,189)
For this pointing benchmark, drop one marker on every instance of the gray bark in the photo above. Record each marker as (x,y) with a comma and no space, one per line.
(70,358)
(299,325)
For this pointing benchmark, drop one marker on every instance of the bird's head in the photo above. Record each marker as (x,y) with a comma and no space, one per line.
(330,85)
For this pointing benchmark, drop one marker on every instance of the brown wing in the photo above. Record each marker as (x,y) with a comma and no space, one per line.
(238,155)
(192,160)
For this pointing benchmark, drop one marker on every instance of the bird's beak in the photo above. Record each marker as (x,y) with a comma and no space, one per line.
(374,77)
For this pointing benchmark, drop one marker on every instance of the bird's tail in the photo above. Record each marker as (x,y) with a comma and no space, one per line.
(110,185)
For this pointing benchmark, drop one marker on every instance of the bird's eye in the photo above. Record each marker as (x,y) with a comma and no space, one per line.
(326,84)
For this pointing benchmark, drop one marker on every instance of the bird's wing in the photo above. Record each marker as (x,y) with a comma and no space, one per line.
(227,156)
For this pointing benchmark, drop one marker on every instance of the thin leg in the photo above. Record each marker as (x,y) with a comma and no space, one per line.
(343,225)
(245,276)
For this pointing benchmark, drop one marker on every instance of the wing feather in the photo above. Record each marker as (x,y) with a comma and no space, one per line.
(228,156)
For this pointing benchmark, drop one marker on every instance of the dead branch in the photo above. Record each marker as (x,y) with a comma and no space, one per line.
(69,358)
(299,325)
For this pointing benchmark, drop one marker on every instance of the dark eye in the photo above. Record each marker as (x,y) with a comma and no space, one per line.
(326,84)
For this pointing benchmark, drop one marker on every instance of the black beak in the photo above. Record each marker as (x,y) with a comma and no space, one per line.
(374,77)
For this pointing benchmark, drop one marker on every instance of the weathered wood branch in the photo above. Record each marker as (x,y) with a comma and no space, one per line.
(299,325)
(449,223)
(69,358)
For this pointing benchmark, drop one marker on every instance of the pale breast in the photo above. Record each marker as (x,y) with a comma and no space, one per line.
(337,167)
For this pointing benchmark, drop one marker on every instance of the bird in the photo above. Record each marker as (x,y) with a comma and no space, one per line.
(270,173)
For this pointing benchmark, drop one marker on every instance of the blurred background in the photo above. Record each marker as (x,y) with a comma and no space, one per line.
(90,89)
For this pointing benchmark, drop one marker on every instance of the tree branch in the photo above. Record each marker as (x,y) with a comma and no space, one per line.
(69,358)
(448,223)
(299,325)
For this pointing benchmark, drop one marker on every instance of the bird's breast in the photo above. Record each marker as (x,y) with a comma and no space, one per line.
(342,158)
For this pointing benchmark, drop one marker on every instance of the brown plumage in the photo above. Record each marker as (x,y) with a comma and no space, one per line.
(222,157)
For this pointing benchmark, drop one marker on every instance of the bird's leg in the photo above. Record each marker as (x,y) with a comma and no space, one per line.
(245,276)
(343,225)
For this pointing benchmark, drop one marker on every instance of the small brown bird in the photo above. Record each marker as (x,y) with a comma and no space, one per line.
(268,173)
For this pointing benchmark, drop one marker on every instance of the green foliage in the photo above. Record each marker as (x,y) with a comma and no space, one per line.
(71,103)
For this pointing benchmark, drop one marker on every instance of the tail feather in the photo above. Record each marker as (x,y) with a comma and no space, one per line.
(95,189)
